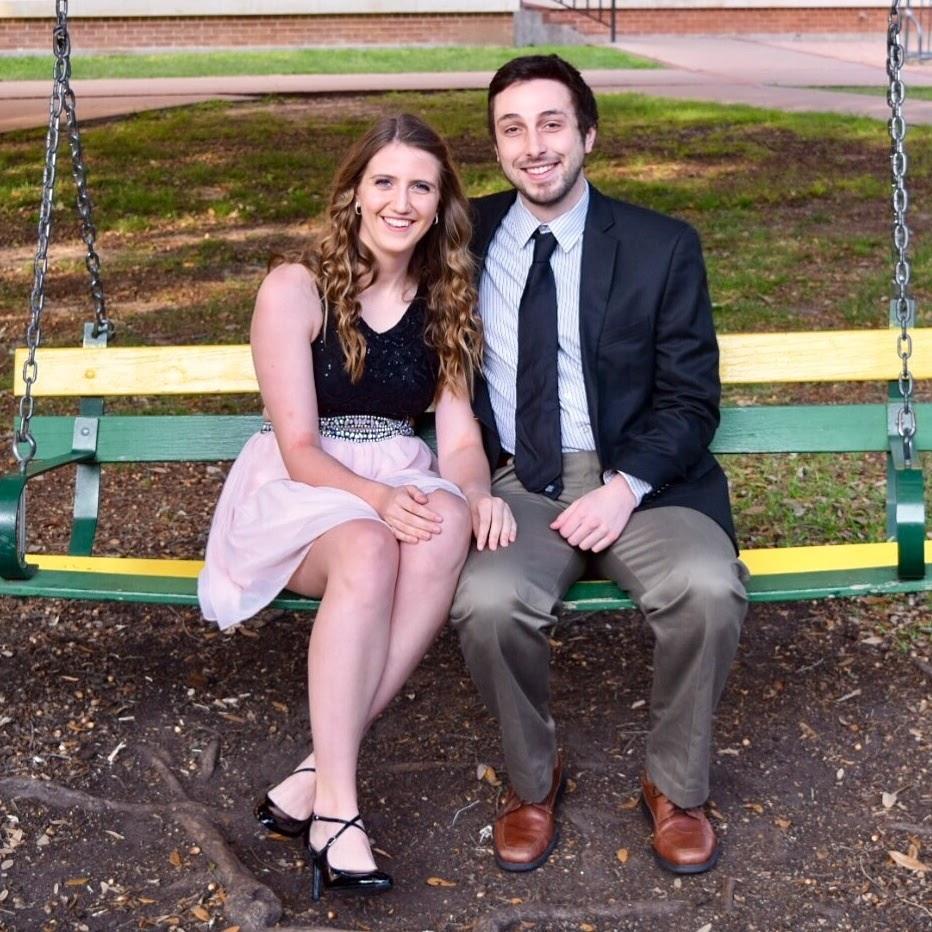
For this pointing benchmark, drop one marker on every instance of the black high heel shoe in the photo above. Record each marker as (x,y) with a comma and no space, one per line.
(276,819)
(333,878)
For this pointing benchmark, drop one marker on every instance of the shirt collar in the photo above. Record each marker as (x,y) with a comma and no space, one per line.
(567,228)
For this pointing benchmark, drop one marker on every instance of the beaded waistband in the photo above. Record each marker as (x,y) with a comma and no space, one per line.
(359,428)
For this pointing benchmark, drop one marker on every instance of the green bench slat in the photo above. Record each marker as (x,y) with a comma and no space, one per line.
(587,596)
(204,438)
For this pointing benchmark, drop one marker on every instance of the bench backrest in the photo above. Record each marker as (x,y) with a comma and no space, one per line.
(829,356)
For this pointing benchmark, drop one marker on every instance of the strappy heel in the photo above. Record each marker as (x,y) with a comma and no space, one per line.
(275,819)
(334,878)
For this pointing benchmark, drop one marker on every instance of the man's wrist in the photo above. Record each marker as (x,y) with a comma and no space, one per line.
(639,488)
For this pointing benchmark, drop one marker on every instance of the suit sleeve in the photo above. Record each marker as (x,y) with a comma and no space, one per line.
(674,433)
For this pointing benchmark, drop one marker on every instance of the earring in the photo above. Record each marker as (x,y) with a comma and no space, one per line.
(436,219)
(358,209)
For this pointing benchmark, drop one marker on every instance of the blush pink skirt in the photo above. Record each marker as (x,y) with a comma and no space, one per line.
(265,522)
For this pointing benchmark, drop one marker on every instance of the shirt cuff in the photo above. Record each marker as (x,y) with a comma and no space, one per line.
(639,488)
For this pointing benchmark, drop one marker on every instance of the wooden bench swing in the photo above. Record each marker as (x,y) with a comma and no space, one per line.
(92,438)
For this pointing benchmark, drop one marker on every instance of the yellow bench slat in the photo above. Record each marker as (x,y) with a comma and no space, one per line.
(816,356)
(761,562)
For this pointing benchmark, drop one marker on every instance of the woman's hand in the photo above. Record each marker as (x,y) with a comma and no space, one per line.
(404,509)
(493,524)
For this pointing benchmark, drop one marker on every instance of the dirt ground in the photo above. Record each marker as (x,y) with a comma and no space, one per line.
(137,738)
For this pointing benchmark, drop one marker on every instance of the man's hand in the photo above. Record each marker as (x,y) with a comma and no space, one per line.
(595,521)
(492,522)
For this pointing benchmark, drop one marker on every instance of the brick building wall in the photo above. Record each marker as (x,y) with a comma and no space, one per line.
(693,21)
(130,33)
(133,33)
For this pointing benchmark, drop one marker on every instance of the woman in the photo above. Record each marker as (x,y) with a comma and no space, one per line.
(335,497)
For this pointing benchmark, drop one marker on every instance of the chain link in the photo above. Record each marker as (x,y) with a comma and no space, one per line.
(903,307)
(62,100)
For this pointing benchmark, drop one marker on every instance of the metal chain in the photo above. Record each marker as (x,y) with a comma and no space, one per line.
(902,305)
(62,99)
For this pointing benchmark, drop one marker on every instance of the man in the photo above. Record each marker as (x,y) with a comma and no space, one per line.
(598,401)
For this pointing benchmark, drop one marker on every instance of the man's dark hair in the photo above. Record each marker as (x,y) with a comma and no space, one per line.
(549,68)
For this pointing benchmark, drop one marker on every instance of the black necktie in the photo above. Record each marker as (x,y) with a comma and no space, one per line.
(538,450)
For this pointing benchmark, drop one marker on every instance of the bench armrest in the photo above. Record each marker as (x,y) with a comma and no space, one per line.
(12,511)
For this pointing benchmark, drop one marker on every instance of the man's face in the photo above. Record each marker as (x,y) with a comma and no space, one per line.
(538,144)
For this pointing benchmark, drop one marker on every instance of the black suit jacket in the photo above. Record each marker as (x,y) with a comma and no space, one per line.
(649,353)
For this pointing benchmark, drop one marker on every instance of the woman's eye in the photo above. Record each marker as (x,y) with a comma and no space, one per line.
(422,186)
(382,182)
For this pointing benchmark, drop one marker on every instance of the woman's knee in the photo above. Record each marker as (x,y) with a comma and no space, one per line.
(447,550)
(364,556)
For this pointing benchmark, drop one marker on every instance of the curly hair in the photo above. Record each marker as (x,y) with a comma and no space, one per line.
(442,264)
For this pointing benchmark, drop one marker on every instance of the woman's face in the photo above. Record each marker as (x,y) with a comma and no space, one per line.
(399,195)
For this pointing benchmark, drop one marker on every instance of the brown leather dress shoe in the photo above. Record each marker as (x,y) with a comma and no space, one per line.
(526,833)
(684,841)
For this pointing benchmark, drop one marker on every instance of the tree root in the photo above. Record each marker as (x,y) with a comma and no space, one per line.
(503,919)
(249,904)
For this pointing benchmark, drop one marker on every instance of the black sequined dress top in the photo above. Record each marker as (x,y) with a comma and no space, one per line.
(399,378)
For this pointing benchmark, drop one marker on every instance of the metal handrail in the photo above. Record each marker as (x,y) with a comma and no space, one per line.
(917,30)
(595,11)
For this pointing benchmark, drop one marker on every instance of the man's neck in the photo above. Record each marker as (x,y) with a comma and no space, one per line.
(547,213)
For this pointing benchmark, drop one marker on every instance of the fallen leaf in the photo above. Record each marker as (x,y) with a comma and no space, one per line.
(904,860)
(42,841)
(488,774)
(755,807)
(808,731)
(622,855)
(440,882)
(638,704)
(585,927)
(888,800)
(76,881)
(175,858)
(6,865)
(630,803)
(516,901)
(281,708)
(782,823)
(706,928)
(200,913)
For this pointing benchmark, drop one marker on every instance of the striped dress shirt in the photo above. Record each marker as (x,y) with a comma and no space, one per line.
(503,278)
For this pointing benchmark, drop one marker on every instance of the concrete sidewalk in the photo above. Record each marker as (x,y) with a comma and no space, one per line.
(779,72)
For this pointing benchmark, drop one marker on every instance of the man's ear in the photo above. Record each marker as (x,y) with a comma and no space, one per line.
(589,140)
(497,156)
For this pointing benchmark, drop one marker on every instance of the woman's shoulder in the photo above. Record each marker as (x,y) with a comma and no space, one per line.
(288,296)
(290,275)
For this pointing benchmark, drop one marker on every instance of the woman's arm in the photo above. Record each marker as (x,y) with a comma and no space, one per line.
(463,461)
(287,318)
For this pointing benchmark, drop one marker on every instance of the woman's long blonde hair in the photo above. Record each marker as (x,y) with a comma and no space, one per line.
(442,264)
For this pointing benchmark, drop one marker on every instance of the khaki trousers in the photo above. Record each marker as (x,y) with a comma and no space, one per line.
(681,569)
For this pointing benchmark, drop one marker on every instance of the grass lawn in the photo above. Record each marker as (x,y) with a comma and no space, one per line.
(308,61)
(793,210)
(916,92)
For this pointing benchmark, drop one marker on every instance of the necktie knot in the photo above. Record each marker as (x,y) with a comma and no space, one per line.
(544,244)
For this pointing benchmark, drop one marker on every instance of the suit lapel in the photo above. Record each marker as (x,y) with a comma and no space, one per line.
(488,213)
(595,287)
